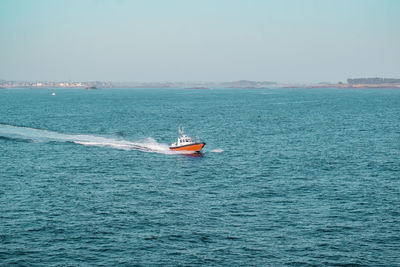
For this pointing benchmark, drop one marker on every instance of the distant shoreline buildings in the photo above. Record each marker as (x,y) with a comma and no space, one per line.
(244,84)
(373,81)
(46,84)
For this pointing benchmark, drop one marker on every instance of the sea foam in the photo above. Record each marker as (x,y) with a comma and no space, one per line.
(18,133)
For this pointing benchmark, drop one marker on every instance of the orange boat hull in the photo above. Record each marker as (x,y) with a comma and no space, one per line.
(192,147)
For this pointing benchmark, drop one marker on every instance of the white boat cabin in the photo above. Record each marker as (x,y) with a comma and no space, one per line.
(183,139)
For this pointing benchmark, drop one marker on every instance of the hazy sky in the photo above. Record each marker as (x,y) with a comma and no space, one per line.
(199,40)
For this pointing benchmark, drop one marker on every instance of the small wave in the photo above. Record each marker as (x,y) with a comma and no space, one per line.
(218,150)
(15,139)
(292,102)
(26,134)
(120,134)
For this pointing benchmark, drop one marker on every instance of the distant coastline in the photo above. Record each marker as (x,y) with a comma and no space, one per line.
(241,84)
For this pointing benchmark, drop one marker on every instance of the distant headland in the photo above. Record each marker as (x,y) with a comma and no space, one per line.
(240,84)
(362,83)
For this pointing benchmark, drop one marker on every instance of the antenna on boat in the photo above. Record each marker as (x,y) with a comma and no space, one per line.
(180,130)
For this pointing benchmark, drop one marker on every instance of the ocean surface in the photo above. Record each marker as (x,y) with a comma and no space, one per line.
(287,177)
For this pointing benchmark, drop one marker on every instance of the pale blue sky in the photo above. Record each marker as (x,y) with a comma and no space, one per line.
(207,40)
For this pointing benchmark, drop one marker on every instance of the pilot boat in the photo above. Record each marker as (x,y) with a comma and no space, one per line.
(186,143)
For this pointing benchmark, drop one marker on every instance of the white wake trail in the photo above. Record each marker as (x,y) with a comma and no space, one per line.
(38,135)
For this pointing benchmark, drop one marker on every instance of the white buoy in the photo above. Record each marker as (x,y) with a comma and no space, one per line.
(53,93)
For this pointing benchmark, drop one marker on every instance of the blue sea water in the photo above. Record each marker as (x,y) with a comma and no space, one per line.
(288,177)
